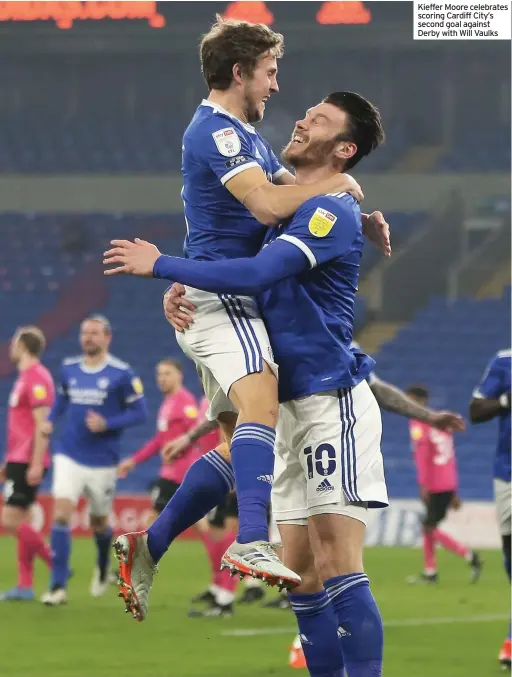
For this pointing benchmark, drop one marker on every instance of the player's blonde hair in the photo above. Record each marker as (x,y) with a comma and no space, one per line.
(231,42)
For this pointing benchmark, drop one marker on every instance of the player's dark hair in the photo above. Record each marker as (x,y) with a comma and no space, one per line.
(174,363)
(365,124)
(418,391)
(235,42)
(33,340)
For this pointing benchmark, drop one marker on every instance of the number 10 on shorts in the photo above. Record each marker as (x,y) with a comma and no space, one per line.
(323,460)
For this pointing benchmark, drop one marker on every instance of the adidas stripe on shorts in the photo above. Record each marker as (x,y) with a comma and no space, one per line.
(227,341)
(328,457)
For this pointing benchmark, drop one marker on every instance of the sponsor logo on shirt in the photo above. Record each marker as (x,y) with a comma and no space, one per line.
(227,141)
(190,411)
(235,161)
(416,432)
(137,385)
(321,223)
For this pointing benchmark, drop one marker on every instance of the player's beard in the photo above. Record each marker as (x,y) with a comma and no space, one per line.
(252,112)
(312,155)
(91,350)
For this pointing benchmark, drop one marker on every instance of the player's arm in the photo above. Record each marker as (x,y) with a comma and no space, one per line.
(270,204)
(135,410)
(201,429)
(61,401)
(143,454)
(392,399)
(40,416)
(490,398)
(229,154)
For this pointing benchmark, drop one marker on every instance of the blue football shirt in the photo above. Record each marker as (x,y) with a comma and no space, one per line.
(112,390)
(496,382)
(216,147)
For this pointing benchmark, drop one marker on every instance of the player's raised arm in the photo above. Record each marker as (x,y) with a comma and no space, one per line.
(491,398)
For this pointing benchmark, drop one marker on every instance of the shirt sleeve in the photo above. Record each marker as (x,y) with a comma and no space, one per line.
(325,228)
(131,387)
(491,386)
(40,394)
(61,398)
(276,167)
(224,148)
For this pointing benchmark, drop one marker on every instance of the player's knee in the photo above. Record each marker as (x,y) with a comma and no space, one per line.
(99,524)
(255,397)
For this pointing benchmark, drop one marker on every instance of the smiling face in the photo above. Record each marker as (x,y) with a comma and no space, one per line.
(320,138)
(258,87)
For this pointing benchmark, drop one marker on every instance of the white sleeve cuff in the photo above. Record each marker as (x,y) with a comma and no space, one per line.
(280,172)
(236,170)
(303,247)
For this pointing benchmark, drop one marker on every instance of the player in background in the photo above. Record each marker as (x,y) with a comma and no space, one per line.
(218,530)
(230,176)
(491,400)
(176,416)
(26,458)
(98,396)
(436,468)
(328,465)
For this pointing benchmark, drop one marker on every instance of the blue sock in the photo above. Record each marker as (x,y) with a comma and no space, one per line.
(318,631)
(252,456)
(60,544)
(205,485)
(359,624)
(103,542)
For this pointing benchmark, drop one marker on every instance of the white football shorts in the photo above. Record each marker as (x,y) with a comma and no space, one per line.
(503,500)
(72,480)
(227,341)
(328,456)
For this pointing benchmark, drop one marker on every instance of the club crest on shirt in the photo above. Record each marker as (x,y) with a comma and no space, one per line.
(103,383)
(39,392)
(321,223)
(227,141)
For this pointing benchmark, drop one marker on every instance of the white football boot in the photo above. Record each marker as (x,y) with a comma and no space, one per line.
(136,572)
(259,560)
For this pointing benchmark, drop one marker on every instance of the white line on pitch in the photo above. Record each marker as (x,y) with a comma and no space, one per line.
(404,623)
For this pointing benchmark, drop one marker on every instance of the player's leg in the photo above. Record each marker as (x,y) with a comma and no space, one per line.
(503,498)
(100,486)
(318,638)
(204,486)
(221,524)
(18,499)
(441,502)
(231,344)
(341,458)
(67,487)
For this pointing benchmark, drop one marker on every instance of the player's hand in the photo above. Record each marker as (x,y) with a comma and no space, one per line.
(176,306)
(136,258)
(456,503)
(174,448)
(448,421)
(424,495)
(34,476)
(125,467)
(95,422)
(344,183)
(376,230)
(3,474)
(47,428)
